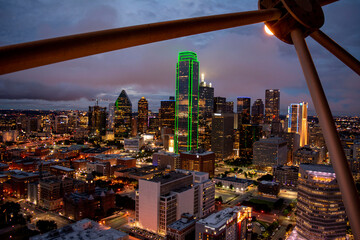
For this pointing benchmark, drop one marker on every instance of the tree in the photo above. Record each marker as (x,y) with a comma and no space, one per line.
(219,199)
(46,226)
(266,177)
(231,187)
(245,173)
(240,170)
(219,184)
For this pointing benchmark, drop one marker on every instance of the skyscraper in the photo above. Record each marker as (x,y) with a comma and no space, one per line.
(222,135)
(97,121)
(143,109)
(320,209)
(257,112)
(243,110)
(167,114)
(123,114)
(219,105)
(206,108)
(297,121)
(272,104)
(186,107)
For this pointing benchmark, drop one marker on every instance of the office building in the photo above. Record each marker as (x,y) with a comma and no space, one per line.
(198,160)
(162,200)
(123,115)
(272,105)
(219,105)
(97,121)
(167,114)
(320,209)
(206,108)
(52,190)
(84,229)
(228,224)
(257,112)
(182,229)
(233,183)
(270,152)
(297,121)
(243,110)
(166,160)
(143,109)
(111,116)
(61,124)
(269,188)
(245,136)
(222,135)
(187,96)
(286,175)
(307,155)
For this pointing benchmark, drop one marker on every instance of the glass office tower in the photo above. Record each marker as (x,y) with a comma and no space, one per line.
(123,114)
(186,107)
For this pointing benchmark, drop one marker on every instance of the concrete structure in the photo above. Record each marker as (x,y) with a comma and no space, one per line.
(198,160)
(133,144)
(270,152)
(307,155)
(143,109)
(228,224)
(102,168)
(272,105)
(85,229)
(166,160)
(162,200)
(286,175)
(222,135)
(233,183)
(320,209)
(62,171)
(269,188)
(182,229)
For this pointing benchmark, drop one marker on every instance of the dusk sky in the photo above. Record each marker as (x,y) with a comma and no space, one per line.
(241,61)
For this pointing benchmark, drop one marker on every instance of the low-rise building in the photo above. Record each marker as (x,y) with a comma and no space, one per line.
(233,183)
(198,160)
(229,224)
(84,229)
(182,229)
(167,160)
(286,175)
(269,188)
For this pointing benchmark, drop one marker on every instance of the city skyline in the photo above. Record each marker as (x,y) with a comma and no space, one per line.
(70,85)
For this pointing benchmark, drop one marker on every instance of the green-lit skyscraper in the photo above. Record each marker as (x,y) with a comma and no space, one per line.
(123,113)
(187,107)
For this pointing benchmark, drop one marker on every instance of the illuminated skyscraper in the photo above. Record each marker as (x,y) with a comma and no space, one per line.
(222,135)
(143,108)
(320,209)
(206,108)
(97,121)
(257,112)
(186,107)
(243,110)
(167,114)
(123,114)
(297,121)
(272,104)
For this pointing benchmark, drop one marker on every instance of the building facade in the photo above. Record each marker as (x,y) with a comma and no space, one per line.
(186,107)
(257,112)
(272,105)
(143,109)
(123,114)
(320,210)
(97,121)
(243,110)
(222,135)
(297,121)
(270,152)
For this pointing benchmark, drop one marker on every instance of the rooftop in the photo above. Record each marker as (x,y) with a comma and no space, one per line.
(317,167)
(182,223)
(217,220)
(83,229)
(168,177)
(234,179)
(62,168)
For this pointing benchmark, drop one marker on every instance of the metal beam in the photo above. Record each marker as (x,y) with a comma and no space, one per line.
(337,50)
(341,167)
(34,54)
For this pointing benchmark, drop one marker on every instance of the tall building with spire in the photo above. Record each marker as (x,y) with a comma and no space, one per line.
(297,121)
(123,114)
(272,105)
(143,108)
(186,107)
(206,108)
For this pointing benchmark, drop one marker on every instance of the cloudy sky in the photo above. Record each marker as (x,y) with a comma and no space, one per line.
(241,61)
